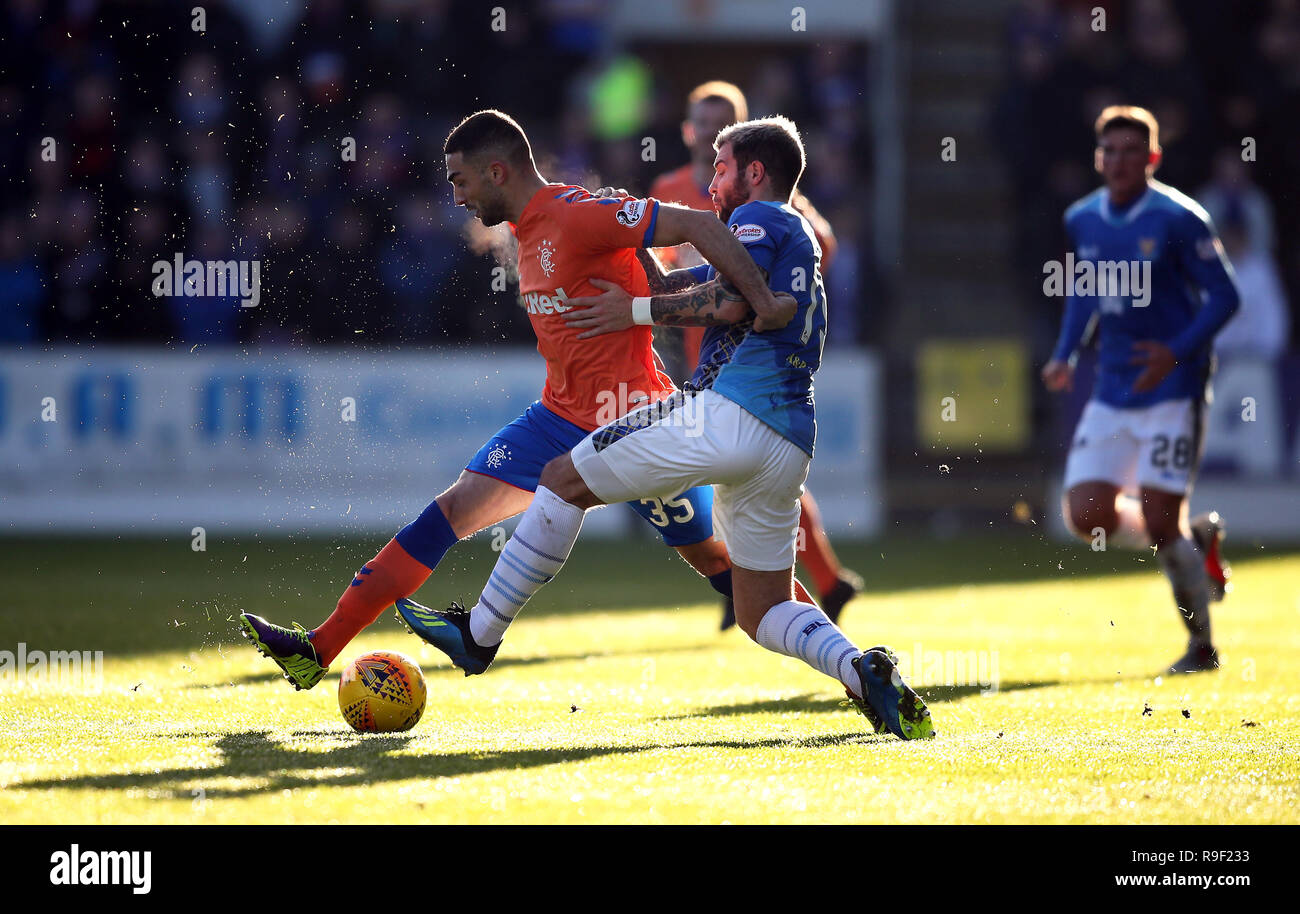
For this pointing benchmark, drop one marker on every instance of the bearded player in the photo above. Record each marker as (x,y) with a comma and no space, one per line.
(565,237)
(747,427)
(1141,433)
(711,107)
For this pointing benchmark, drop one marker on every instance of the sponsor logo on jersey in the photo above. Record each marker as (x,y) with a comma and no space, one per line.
(630,212)
(541,303)
(546,257)
(748,232)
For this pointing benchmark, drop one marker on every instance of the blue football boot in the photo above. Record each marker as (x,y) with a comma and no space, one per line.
(448,631)
(887,701)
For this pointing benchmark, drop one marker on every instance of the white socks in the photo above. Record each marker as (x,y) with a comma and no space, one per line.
(1185,567)
(804,631)
(535,554)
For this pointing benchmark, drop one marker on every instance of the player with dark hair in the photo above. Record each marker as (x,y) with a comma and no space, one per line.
(711,107)
(744,424)
(566,237)
(1142,431)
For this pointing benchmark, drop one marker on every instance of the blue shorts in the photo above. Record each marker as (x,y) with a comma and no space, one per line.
(517,454)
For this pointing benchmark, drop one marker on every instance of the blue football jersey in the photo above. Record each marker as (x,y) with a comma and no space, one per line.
(1168,242)
(770,374)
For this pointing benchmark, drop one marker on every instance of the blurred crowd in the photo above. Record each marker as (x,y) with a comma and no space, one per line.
(1221,79)
(230,144)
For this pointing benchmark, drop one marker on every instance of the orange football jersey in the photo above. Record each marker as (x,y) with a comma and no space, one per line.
(566,238)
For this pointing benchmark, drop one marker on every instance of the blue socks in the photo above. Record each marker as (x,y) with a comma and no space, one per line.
(428,537)
(721,582)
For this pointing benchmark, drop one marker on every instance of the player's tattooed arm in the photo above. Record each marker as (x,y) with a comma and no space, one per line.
(661,282)
(709,304)
(716,244)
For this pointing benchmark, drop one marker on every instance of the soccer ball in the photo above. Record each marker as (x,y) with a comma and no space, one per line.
(381,692)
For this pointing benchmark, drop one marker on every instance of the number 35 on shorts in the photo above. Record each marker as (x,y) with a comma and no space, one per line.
(664,511)
(682,520)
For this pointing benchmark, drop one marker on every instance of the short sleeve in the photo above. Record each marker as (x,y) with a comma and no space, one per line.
(754,225)
(610,223)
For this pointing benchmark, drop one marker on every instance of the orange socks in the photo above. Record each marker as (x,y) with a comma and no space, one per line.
(386,578)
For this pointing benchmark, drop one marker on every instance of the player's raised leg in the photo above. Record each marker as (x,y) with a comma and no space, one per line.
(532,557)
(401,567)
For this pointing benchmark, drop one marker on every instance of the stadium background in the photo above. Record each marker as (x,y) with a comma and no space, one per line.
(225,144)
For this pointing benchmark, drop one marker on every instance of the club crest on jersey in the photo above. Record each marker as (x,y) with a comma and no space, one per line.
(546,257)
(497,456)
(630,212)
(748,232)
(1146,246)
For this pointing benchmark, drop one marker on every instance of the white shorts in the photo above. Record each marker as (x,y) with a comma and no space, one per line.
(1153,447)
(694,439)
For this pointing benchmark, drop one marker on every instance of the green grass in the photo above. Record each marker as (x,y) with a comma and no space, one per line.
(673,722)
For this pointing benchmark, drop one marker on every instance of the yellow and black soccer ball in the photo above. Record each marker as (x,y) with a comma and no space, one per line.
(382,692)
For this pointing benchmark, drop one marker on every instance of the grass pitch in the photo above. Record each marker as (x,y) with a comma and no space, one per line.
(615,699)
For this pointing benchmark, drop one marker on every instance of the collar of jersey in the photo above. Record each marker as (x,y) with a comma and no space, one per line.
(1138,205)
(549,187)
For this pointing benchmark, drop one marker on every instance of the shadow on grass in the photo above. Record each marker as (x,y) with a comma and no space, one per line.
(367,760)
(817,704)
